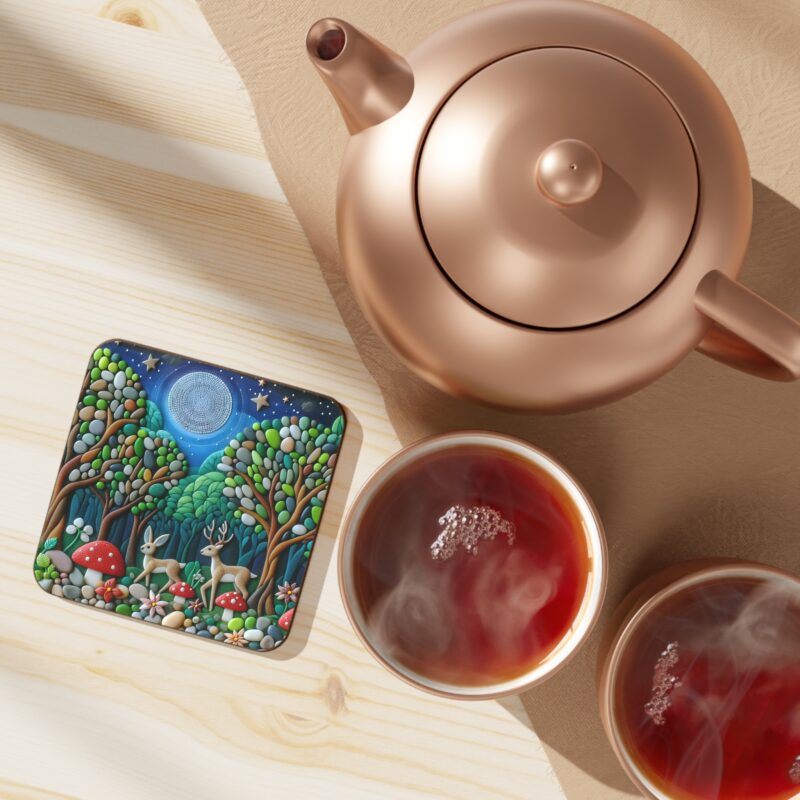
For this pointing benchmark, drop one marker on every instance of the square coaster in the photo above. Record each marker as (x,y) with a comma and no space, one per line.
(189,496)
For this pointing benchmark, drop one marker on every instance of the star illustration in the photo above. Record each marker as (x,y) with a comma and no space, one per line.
(286,398)
(261,401)
(150,362)
(262,382)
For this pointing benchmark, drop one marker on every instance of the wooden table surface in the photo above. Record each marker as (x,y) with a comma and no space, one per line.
(136,202)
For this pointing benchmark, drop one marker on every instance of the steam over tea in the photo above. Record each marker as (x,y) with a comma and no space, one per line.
(470,566)
(708,692)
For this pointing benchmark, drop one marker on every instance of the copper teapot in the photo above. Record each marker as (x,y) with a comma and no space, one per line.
(546,205)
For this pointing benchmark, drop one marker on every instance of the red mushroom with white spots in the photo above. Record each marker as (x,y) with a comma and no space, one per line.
(99,558)
(231,601)
(182,592)
(286,619)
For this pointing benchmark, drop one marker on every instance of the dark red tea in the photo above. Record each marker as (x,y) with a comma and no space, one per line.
(470,565)
(708,692)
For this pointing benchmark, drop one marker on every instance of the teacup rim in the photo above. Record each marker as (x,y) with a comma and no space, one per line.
(643,599)
(587,615)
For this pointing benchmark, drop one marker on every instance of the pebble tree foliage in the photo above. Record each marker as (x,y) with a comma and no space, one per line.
(276,476)
(99,417)
(109,452)
(148,467)
(151,465)
(143,511)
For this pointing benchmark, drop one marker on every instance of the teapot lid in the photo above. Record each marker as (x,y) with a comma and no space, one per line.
(557,187)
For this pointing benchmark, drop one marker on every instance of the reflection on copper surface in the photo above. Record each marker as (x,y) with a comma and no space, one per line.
(464,263)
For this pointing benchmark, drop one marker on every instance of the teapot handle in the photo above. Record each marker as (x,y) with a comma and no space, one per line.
(749,333)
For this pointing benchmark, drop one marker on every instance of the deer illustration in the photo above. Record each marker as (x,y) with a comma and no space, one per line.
(220,572)
(154,566)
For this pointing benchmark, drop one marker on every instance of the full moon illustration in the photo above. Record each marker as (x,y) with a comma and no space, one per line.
(200,402)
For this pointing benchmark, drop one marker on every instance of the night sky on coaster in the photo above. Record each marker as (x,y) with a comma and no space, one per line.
(205,405)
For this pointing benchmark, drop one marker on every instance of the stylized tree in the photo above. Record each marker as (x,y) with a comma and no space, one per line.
(210,463)
(146,492)
(110,453)
(149,466)
(111,397)
(153,417)
(276,479)
(201,498)
(195,498)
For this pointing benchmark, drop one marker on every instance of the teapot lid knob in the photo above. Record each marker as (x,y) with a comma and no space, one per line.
(569,172)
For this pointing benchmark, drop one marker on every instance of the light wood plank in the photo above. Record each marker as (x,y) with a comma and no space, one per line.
(57,59)
(136,202)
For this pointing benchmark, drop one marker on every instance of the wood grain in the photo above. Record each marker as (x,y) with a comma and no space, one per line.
(136,202)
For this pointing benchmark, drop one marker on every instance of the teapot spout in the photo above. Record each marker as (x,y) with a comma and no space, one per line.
(369,82)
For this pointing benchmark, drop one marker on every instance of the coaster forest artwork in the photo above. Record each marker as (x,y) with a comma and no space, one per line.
(189,496)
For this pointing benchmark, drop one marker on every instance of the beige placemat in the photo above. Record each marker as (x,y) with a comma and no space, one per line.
(704,462)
